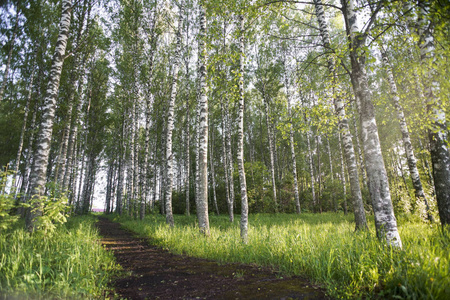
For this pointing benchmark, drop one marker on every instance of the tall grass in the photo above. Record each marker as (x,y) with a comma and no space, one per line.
(67,263)
(322,247)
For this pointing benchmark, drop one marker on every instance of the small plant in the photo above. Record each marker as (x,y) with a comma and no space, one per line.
(51,210)
(6,203)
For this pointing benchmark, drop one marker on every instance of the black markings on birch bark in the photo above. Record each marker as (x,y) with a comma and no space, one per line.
(240,148)
(170,121)
(360,217)
(45,132)
(385,222)
(410,157)
(202,192)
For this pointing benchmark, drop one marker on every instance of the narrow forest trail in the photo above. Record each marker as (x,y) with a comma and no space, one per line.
(155,273)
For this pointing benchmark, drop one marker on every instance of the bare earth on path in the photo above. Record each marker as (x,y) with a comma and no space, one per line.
(154,273)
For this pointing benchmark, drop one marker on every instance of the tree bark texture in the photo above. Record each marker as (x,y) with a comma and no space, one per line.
(202,192)
(385,221)
(410,157)
(240,148)
(351,162)
(40,164)
(437,134)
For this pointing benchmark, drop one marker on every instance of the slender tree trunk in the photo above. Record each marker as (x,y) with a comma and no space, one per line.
(410,157)
(225,162)
(202,192)
(45,133)
(344,183)
(385,222)
(240,148)
(319,174)
(24,124)
(230,157)
(121,170)
(311,167)
(74,130)
(292,144)
(437,134)
(188,157)
(333,200)
(10,53)
(109,181)
(170,113)
(272,159)
(213,174)
(352,165)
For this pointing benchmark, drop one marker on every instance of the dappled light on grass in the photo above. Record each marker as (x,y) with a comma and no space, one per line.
(323,247)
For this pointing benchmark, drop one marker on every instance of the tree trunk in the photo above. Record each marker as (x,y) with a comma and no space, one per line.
(333,201)
(170,113)
(272,160)
(213,174)
(24,124)
(240,148)
(319,174)
(292,144)
(202,192)
(410,157)
(230,168)
(352,165)
(121,171)
(45,132)
(311,168)
(385,222)
(344,183)
(437,134)
(225,161)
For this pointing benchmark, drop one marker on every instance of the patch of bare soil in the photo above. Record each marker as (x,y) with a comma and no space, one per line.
(155,273)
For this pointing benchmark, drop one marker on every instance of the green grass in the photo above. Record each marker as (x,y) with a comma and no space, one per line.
(68,263)
(323,247)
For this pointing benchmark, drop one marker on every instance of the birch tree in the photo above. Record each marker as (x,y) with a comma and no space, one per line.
(202,190)
(385,221)
(352,167)
(170,116)
(46,129)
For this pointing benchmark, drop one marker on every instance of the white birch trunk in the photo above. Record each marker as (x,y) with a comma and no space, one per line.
(202,191)
(352,165)
(240,148)
(410,157)
(292,145)
(170,116)
(271,154)
(344,183)
(24,124)
(311,167)
(385,222)
(38,176)
(225,162)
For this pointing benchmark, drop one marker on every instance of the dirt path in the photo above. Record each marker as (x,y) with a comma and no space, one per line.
(158,274)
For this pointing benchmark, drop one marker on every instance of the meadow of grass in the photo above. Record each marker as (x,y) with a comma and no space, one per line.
(324,248)
(68,263)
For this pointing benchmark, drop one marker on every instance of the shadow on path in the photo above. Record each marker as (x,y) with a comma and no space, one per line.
(155,273)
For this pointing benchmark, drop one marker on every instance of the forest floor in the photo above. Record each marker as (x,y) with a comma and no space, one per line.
(154,273)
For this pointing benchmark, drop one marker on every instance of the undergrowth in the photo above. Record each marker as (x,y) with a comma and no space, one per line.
(68,262)
(323,247)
